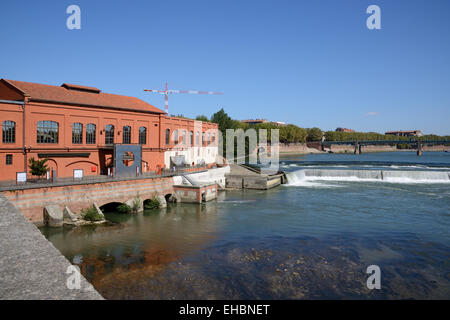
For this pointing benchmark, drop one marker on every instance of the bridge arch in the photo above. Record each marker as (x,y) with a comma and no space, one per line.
(110,206)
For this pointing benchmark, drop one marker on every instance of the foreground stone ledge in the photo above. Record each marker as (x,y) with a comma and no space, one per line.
(30,266)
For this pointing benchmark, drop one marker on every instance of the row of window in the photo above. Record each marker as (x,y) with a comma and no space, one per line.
(191,136)
(48,132)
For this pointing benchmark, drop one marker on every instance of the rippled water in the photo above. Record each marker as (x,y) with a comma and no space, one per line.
(310,239)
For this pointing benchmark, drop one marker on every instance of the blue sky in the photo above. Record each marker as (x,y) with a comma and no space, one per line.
(311,63)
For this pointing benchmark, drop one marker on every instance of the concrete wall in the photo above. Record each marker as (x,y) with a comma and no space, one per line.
(295,148)
(193,155)
(216,175)
(196,194)
(257,182)
(31,202)
(351,148)
(436,148)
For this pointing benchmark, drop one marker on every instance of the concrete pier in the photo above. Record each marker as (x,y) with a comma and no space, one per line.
(243,177)
(357,148)
(419,148)
(30,266)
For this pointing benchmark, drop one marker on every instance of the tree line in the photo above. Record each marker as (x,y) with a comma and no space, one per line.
(291,133)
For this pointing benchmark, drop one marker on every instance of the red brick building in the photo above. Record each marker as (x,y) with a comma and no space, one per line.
(78,128)
(344,130)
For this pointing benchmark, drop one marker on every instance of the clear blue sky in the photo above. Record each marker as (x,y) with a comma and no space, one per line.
(311,63)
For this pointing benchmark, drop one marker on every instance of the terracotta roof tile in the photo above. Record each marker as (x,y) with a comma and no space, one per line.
(81,95)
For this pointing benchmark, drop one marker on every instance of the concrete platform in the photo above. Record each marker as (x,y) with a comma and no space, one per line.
(241,177)
(30,266)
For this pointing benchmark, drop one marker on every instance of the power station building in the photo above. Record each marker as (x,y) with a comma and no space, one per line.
(83,131)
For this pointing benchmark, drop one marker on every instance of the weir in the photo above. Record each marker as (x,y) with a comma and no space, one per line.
(399,176)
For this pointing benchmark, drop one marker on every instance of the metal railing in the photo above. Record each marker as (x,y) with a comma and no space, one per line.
(33,183)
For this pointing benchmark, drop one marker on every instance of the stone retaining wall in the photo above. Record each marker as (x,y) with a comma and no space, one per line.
(31,202)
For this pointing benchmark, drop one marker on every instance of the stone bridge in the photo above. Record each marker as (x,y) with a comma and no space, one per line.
(31,201)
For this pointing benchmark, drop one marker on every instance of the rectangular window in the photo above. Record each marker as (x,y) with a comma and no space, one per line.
(109,134)
(142,135)
(9,132)
(167,136)
(47,132)
(77,133)
(126,135)
(90,133)
(9,159)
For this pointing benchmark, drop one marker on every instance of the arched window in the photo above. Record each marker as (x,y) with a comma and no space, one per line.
(213,138)
(126,138)
(77,133)
(109,134)
(90,133)
(191,135)
(47,132)
(175,136)
(142,135)
(203,138)
(207,140)
(197,140)
(167,136)
(9,132)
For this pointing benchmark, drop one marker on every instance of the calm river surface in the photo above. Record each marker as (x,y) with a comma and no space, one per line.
(310,239)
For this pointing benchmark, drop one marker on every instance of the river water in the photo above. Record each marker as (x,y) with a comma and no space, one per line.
(312,238)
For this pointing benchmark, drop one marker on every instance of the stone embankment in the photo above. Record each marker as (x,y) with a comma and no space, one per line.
(315,147)
(30,266)
(364,149)
(299,148)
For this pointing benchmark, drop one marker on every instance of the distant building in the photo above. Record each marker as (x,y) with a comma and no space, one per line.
(344,130)
(255,121)
(407,133)
(258,121)
(278,123)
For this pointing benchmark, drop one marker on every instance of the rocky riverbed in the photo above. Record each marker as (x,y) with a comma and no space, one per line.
(306,268)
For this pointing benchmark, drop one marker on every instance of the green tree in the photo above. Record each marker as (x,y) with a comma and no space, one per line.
(202,118)
(223,120)
(38,167)
(314,134)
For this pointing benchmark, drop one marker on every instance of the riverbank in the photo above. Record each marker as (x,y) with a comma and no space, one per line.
(303,149)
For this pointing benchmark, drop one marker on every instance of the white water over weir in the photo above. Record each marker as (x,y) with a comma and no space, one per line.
(395,176)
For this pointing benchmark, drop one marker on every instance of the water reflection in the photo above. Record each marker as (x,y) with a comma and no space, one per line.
(140,245)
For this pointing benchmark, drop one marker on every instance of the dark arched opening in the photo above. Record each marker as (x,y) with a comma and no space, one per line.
(110,207)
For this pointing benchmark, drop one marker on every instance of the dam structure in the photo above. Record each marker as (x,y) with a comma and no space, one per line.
(393,176)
